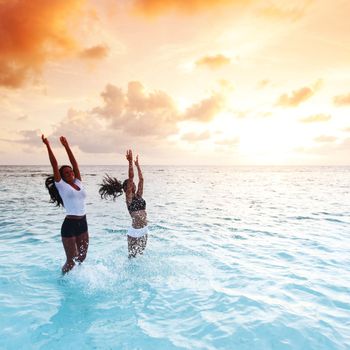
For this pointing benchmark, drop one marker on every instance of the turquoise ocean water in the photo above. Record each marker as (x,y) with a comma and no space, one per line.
(238,258)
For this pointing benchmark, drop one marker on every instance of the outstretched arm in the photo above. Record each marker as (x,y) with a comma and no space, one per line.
(139,172)
(131,176)
(53,161)
(71,157)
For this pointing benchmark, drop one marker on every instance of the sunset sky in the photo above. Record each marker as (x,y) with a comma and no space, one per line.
(240,82)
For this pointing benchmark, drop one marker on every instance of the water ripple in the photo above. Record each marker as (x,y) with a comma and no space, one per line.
(237,258)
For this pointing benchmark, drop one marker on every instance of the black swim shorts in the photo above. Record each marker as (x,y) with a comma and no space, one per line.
(74,227)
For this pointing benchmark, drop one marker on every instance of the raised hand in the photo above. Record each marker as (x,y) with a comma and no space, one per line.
(71,157)
(52,158)
(129,155)
(45,140)
(64,141)
(137,161)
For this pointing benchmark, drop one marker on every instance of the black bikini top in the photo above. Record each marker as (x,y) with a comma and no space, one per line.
(137,203)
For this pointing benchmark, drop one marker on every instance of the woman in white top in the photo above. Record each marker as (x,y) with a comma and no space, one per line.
(66,189)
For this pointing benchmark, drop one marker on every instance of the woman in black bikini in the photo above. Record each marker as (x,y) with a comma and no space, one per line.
(111,187)
(66,189)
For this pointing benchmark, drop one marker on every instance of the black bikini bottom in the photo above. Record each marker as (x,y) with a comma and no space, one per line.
(74,227)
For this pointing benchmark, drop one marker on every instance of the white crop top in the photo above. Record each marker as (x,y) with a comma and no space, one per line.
(73,200)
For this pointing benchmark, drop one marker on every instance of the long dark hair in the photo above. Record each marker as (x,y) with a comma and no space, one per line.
(53,191)
(111,187)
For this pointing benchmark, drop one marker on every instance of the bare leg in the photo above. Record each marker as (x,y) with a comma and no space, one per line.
(131,245)
(82,246)
(142,243)
(136,245)
(70,247)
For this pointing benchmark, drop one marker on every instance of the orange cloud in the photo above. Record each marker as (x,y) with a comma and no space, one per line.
(213,62)
(31,33)
(156,7)
(27,138)
(205,110)
(316,118)
(295,98)
(324,138)
(148,116)
(342,100)
(143,113)
(276,12)
(94,53)
(298,96)
(137,111)
(93,137)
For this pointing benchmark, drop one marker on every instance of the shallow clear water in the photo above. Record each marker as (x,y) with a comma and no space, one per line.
(237,258)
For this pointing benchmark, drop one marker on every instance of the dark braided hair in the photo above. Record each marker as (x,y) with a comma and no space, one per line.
(111,187)
(53,191)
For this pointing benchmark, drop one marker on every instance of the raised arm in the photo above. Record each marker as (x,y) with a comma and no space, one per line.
(71,157)
(139,173)
(131,177)
(53,161)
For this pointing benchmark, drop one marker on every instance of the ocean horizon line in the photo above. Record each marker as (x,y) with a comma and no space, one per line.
(201,165)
